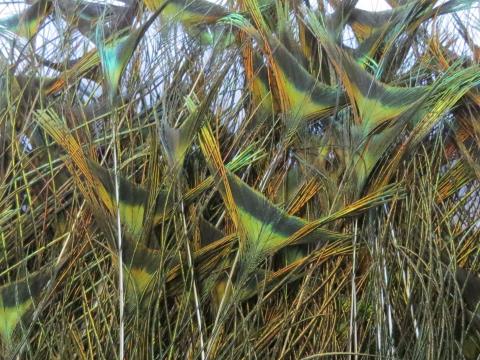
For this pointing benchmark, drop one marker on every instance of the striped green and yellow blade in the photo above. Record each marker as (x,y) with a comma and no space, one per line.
(97,22)
(115,48)
(17,299)
(133,198)
(365,23)
(27,23)
(116,51)
(304,97)
(98,185)
(307,97)
(176,141)
(86,16)
(375,102)
(446,92)
(114,56)
(189,12)
(294,90)
(265,227)
(194,15)
(268,227)
(140,264)
(133,205)
(260,87)
(208,233)
(373,30)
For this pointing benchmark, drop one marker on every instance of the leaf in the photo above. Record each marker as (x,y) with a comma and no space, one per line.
(177,141)
(265,227)
(248,156)
(446,93)
(208,233)
(17,299)
(193,12)
(86,16)
(375,102)
(116,51)
(26,24)
(380,29)
(133,201)
(260,87)
(140,265)
(306,97)
(297,92)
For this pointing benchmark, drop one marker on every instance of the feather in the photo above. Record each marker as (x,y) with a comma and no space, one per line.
(116,51)
(189,12)
(17,299)
(27,23)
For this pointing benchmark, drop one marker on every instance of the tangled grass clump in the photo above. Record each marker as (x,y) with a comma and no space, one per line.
(260,179)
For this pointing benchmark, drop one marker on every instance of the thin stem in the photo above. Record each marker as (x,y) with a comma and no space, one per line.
(353,309)
(195,291)
(121,301)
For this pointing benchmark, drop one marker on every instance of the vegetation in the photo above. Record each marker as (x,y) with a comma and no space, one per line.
(259,179)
